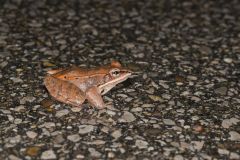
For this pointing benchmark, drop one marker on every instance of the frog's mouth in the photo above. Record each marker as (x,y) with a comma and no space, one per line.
(104,88)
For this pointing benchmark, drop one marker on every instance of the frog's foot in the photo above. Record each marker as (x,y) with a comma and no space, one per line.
(94,98)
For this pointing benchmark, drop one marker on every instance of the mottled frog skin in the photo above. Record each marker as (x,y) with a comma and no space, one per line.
(74,85)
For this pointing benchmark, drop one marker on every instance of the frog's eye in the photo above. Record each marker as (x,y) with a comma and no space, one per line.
(115,72)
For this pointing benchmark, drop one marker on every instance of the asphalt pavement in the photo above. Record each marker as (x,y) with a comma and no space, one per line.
(184,103)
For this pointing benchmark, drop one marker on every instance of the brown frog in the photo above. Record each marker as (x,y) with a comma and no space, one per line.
(74,85)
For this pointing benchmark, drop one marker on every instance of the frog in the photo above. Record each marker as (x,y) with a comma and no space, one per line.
(74,85)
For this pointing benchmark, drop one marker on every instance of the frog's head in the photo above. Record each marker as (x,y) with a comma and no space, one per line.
(116,74)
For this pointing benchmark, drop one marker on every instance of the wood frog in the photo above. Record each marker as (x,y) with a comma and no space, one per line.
(74,85)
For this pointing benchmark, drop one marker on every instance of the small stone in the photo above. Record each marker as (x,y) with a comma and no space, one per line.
(228,60)
(15,139)
(137,109)
(234,136)
(147,105)
(168,122)
(31,134)
(62,113)
(163,84)
(76,109)
(20,108)
(197,145)
(223,151)
(156,98)
(94,153)
(129,45)
(226,123)
(179,79)
(48,155)
(16,80)
(196,99)
(80,156)
(192,78)
(3,64)
(221,90)
(234,155)
(198,128)
(141,144)
(97,142)
(48,64)
(111,155)
(49,124)
(47,102)
(116,134)
(127,117)
(32,151)
(73,137)
(84,129)
(205,49)
(178,157)
(59,139)
(10,118)
(142,39)
(17,121)
(13,157)
(27,99)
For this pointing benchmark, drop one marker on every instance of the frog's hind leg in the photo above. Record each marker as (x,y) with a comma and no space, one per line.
(64,91)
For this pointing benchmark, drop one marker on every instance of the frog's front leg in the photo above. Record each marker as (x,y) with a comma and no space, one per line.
(94,97)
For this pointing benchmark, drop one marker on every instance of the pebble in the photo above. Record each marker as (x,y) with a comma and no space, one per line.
(116,134)
(97,142)
(141,144)
(221,90)
(111,155)
(3,64)
(16,80)
(62,113)
(178,157)
(49,154)
(169,122)
(129,45)
(17,121)
(15,139)
(13,157)
(76,109)
(94,152)
(156,98)
(84,129)
(148,105)
(223,151)
(228,60)
(32,151)
(74,137)
(127,117)
(19,108)
(234,155)
(137,109)
(234,136)
(49,124)
(59,139)
(197,145)
(27,99)
(226,123)
(31,134)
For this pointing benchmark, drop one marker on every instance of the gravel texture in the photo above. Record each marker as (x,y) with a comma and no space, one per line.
(184,104)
